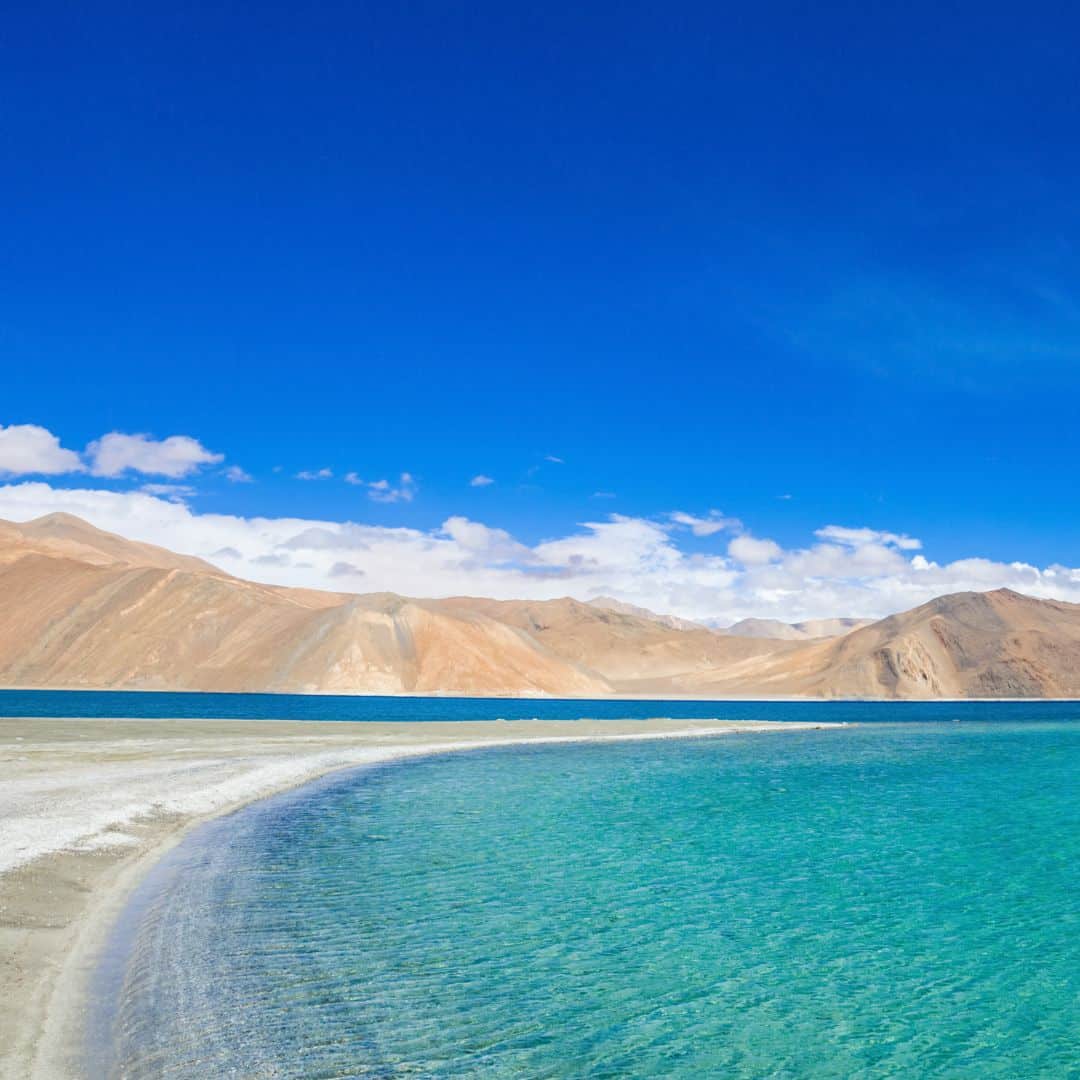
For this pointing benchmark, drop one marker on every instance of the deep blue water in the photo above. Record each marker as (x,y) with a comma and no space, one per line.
(163,705)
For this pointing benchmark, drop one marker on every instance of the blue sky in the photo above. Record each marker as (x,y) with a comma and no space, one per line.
(803,266)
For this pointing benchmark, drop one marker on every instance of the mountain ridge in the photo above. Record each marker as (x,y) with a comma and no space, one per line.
(83,608)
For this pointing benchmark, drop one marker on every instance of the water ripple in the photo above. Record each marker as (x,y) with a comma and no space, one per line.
(890,902)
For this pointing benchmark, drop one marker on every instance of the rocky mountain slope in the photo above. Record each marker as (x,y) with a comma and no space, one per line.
(83,608)
(609,603)
(965,645)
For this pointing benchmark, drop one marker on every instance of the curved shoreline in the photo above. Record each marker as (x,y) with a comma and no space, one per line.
(82,886)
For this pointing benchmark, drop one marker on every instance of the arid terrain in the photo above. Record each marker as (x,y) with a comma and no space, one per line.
(82,608)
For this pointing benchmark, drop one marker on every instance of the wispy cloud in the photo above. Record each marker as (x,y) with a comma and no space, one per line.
(314,474)
(385,492)
(481,481)
(713,523)
(404,490)
(861,537)
(235,475)
(174,492)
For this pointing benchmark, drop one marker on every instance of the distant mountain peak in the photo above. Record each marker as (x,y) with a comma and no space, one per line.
(609,603)
(76,538)
(800,631)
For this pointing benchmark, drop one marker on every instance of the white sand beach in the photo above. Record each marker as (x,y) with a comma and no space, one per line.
(87,806)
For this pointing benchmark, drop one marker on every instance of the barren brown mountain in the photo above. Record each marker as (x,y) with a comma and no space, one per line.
(84,608)
(611,604)
(993,644)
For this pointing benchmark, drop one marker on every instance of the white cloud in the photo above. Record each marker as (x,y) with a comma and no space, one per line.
(28,448)
(235,475)
(554,460)
(481,481)
(494,546)
(844,571)
(715,522)
(353,478)
(177,456)
(385,492)
(315,474)
(751,551)
(619,545)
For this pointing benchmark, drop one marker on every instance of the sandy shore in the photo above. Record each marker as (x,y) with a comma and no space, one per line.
(86,806)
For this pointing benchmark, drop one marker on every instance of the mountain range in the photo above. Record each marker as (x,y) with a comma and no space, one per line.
(84,608)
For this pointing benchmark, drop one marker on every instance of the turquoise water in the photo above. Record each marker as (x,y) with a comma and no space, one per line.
(198,706)
(889,900)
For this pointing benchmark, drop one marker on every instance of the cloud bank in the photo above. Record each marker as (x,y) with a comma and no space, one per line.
(849,571)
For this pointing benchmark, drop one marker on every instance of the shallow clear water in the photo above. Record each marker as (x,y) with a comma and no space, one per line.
(888,900)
